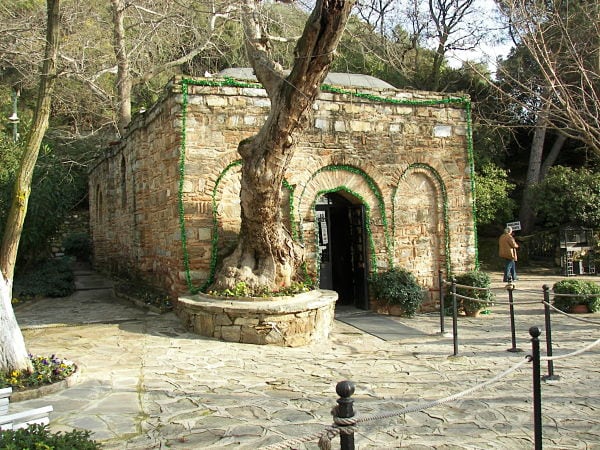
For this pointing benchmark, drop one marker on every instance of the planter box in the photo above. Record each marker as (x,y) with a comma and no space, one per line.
(291,321)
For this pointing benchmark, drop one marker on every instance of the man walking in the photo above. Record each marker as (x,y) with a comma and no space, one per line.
(507,248)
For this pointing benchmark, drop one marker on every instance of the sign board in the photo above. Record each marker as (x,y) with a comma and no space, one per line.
(516,226)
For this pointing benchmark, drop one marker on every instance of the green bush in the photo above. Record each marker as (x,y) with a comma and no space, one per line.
(568,197)
(39,437)
(398,287)
(576,287)
(482,298)
(51,278)
(78,245)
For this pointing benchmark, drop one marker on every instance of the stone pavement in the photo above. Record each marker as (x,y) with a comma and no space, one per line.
(146,383)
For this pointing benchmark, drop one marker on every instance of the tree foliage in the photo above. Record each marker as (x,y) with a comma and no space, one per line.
(568,197)
(492,196)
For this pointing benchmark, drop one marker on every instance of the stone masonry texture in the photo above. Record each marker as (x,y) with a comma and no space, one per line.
(407,162)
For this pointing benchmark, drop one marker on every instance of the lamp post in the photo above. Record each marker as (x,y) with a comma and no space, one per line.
(14,118)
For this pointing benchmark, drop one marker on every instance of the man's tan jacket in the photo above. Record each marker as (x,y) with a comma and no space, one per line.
(507,247)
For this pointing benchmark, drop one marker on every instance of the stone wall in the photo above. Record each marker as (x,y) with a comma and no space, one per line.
(403,154)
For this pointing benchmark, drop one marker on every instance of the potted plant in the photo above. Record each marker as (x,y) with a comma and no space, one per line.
(577,295)
(398,288)
(482,298)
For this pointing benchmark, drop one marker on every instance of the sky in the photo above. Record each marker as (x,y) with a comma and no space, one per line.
(490,50)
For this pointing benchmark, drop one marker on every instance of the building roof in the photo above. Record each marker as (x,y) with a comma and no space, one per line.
(333,78)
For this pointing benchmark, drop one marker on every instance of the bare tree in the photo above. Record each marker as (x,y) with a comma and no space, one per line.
(13,354)
(266,256)
(558,46)
(563,40)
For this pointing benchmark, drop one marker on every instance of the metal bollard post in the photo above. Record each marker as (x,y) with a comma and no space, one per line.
(550,376)
(537,387)
(454,316)
(442,306)
(345,410)
(511,287)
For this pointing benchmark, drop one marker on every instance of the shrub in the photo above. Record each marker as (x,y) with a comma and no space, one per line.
(398,287)
(568,196)
(482,298)
(78,245)
(576,287)
(51,278)
(39,437)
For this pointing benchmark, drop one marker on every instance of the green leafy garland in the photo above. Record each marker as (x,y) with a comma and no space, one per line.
(442,186)
(367,224)
(186,82)
(472,174)
(380,203)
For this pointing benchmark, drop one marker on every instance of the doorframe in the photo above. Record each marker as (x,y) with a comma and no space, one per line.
(349,202)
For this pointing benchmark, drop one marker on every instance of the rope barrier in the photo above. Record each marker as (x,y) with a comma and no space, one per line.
(349,425)
(529,291)
(474,288)
(569,355)
(332,431)
(571,316)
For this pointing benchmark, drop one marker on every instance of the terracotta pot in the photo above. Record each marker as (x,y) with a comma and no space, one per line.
(472,313)
(579,309)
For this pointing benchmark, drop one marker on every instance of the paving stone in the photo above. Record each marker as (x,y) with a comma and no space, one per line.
(147,383)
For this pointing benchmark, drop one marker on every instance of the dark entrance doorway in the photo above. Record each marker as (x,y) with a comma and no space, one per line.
(343,248)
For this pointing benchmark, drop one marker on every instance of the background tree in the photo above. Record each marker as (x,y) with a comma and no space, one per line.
(552,79)
(13,352)
(568,197)
(266,256)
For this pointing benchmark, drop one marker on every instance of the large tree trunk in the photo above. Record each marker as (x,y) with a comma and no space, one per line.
(13,352)
(526,214)
(552,156)
(538,167)
(266,257)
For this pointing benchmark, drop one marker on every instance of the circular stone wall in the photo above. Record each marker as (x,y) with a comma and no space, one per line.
(287,321)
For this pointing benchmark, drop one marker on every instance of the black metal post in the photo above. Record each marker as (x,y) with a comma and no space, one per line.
(547,312)
(345,410)
(511,287)
(537,387)
(454,316)
(442,306)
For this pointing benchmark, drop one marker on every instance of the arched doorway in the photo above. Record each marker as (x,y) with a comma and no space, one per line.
(343,248)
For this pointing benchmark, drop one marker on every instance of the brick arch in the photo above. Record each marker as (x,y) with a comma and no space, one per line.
(358,184)
(423,191)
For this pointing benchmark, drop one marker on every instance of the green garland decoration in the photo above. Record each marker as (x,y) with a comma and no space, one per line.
(445,214)
(472,173)
(396,101)
(376,192)
(230,82)
(373,255)
(182,150)
(294,230)
(214,240)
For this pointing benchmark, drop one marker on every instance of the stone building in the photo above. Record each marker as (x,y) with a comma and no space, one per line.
(380,178)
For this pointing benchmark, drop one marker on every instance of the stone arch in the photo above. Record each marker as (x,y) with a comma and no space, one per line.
(420,223)
(225,210)
(358,184)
